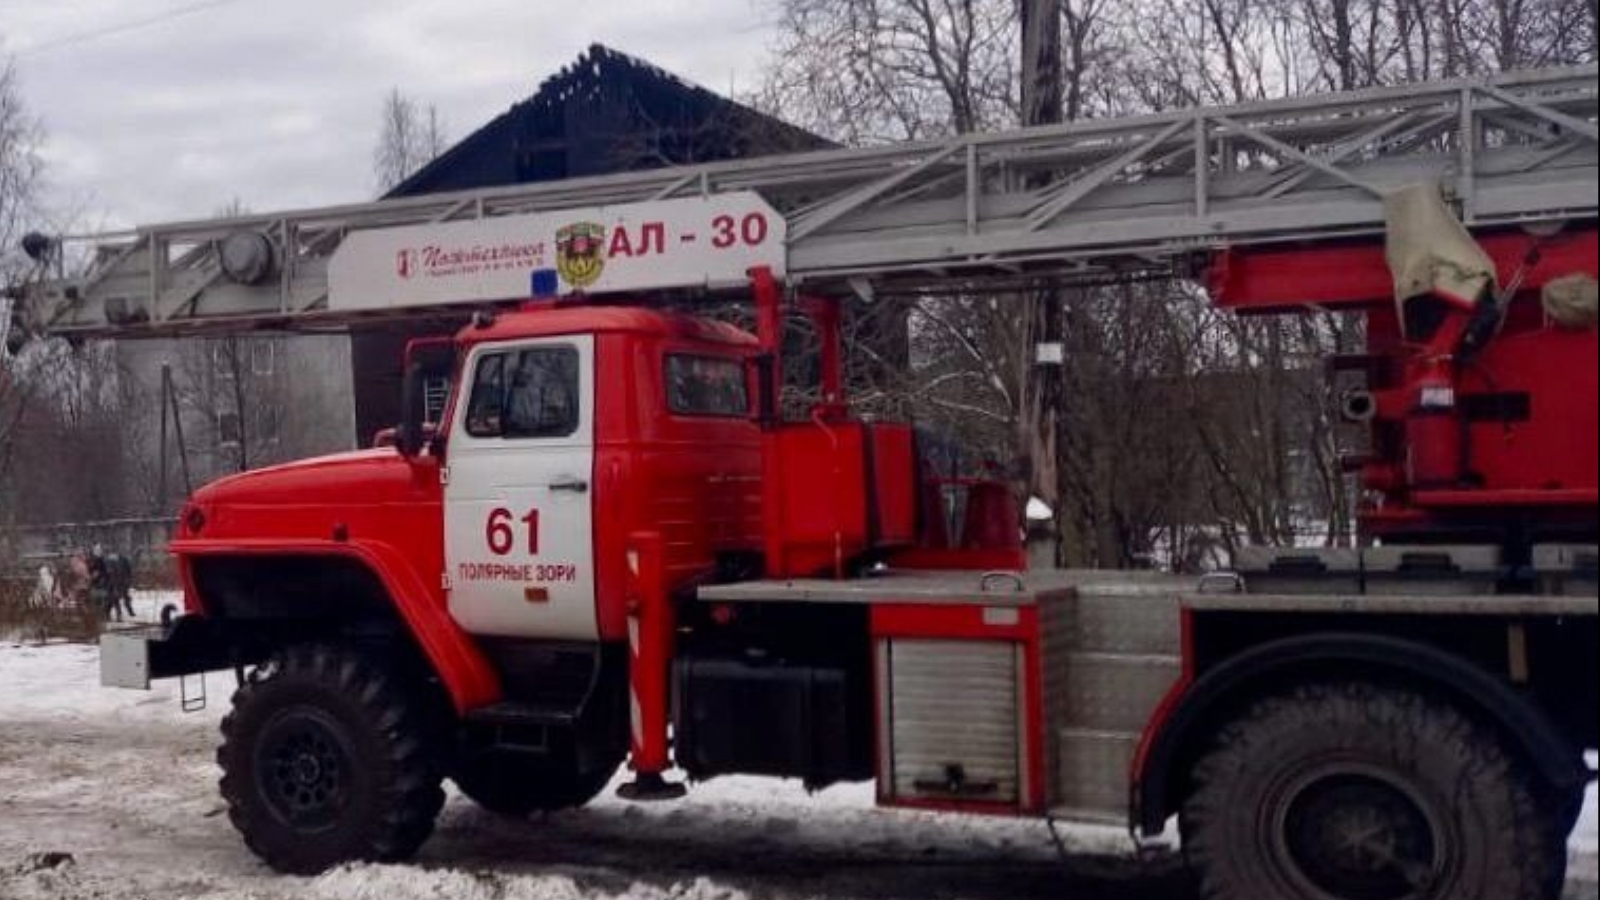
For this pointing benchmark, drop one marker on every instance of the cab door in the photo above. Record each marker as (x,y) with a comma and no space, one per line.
(519,542)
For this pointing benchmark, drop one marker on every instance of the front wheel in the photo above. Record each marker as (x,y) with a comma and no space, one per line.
(326,758)
(1355,791)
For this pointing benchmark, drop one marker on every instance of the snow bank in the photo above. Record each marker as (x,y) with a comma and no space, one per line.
(408,883)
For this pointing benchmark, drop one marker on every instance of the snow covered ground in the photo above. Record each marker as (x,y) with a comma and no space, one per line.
(111,795)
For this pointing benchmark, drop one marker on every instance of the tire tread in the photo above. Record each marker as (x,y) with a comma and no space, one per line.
(1253,739)
(409,795)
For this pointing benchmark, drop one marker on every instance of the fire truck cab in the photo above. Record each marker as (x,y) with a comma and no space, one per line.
(574,428)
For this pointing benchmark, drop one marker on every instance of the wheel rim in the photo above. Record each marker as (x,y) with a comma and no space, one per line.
(303,768)
(1346,831)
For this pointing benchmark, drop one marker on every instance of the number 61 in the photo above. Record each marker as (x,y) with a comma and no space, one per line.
(500,536)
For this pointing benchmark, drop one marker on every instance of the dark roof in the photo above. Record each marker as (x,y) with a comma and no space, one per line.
(606,112)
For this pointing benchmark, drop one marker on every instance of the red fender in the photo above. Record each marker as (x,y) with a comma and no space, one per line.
(455,657)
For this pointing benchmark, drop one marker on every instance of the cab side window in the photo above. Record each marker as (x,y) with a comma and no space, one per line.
(531,393)
(706,386)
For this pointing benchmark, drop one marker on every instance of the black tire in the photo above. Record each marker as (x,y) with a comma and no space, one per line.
(1353,791)
(1565,809)
(517,785)
(326,757)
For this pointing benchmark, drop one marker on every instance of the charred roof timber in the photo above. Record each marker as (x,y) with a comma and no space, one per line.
(607,112)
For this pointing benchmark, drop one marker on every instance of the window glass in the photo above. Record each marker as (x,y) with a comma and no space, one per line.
(435,394)
(266,424)
(488,396)
(529,393)
(228,429)
(263,353)
(706,385)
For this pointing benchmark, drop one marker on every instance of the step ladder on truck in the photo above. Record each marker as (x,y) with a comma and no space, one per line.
(610,546)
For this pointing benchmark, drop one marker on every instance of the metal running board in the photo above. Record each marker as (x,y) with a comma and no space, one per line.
(1098,199)
(511,727)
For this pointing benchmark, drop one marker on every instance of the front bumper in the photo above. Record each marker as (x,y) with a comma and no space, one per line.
(134,657)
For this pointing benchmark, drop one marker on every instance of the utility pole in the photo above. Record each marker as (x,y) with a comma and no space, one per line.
(166,391)
(1041,62)
(1038,425)
(170,412)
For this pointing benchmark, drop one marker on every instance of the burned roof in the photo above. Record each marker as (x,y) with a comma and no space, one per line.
(606,112)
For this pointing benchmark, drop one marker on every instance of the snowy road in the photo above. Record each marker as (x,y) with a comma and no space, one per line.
(125,784)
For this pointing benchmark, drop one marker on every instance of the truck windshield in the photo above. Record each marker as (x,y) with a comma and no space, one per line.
(706,386)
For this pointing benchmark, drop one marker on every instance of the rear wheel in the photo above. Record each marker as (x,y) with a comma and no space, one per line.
(325,758)
(517,785)
(1353,791)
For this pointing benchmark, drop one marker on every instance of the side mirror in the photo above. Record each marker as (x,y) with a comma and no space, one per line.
(408,434)
(426,359)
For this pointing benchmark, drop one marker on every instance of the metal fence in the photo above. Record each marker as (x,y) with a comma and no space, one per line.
(26,548)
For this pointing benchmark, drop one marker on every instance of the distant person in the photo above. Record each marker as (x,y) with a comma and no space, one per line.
(119,572)
(111,584)
(73,584)
(44,591)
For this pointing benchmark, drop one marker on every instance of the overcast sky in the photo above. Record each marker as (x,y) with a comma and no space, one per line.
(276,102)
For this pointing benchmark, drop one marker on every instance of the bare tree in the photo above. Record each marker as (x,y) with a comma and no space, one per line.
(410,136)
(66,450)
(232,392)
(15,397)
(20,172)
(1592,51)
(868,71)
(59,418)
(234,208)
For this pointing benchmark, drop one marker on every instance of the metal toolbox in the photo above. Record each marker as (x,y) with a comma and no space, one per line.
(1297,570)
(1443,570)
(1567,569)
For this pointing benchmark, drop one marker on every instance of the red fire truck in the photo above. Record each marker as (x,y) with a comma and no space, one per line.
(610,546)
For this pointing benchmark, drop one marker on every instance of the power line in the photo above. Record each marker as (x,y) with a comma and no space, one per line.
(121,27)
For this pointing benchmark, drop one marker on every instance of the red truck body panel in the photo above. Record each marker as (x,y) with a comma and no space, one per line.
(1518,436)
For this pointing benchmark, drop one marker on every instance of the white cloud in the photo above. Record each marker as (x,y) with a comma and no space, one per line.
(276,102)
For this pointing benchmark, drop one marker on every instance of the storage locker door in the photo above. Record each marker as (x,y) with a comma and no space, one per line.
(954,719)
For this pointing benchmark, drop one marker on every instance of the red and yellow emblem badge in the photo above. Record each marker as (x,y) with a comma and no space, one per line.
(580,253)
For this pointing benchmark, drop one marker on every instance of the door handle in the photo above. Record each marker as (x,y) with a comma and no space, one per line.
(575,485)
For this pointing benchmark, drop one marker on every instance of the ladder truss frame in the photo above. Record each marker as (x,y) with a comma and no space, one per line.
(1095,199)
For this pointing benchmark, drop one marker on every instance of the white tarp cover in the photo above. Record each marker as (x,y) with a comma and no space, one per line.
(1572,301)
(1430,251)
